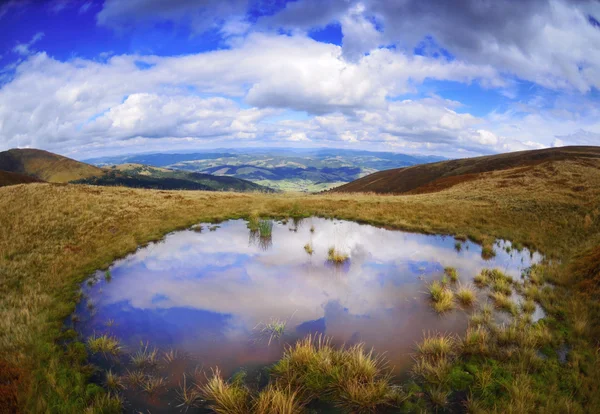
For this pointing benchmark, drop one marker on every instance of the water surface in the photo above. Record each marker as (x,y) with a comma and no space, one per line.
(209,293)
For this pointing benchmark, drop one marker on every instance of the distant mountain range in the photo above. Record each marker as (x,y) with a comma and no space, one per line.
(19,166)
(283,169)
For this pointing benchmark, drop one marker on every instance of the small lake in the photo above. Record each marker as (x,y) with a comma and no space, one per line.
(210,292)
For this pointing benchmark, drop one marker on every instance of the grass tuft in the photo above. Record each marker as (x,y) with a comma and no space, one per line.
(466,295)
(274,399)
(274,329)
(224,397)
(451,273)
(187,396)
(144,357)
(504,302)
(104,344)
(437,345)
(265,228)
(336,257)
(113,382)
(441,296)
(308,248)
(352,378)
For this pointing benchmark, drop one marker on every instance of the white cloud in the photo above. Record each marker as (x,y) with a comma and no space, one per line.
(24,49)
(55,104)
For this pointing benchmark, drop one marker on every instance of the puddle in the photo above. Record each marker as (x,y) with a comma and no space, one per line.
(211,294)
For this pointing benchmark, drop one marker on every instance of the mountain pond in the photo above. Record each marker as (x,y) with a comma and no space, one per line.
(208,296)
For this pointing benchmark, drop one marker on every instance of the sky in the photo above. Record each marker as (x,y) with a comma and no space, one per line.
(452,78)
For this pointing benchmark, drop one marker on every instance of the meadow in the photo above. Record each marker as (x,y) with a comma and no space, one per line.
(52,236)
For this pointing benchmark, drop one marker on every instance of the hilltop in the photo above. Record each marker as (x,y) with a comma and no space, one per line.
(428,178)
(46,166)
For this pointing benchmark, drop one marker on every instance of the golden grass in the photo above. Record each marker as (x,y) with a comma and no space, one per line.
(353,378)
(465,294)
(451,273)
(53,236)
(437,345)
(276,400)
(225,397)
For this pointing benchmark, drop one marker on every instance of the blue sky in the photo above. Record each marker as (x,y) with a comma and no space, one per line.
(103,77)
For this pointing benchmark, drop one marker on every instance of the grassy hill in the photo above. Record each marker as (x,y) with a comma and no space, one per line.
(10,178)
(52,237)
(46,166)
(426,178)
(143,176)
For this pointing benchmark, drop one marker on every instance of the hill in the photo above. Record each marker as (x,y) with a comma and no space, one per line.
(46,166)
(10,178)
(295,169)
(427,178)
(144,176)
(32,165)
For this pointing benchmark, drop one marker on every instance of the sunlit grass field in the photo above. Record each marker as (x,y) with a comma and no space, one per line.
(52,236)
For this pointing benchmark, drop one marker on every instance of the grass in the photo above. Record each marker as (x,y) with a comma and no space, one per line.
(135,378)
(503,302)
(113,382)
(476,341)
(224,397)
(274,399)
(465,294)
(52,237)
(336,257)
(144,357)
(451,273)
(265,228)
(437,345)
(153,385)
(187,396)
(442,297)
(308,248)
(274,329)
(352,378)
(487,252)
(104,344)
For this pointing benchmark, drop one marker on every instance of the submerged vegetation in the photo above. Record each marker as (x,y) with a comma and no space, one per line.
(336,257)
(52,237)
(441,296)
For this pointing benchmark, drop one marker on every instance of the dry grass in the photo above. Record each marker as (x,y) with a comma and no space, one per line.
(353,378)
(437,345)
(225,397)
(276,400)
(465,294)
(451,273)
(53,236)
(442,297)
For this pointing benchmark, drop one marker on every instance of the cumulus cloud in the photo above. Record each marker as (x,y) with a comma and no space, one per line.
(550,42)
(52,102)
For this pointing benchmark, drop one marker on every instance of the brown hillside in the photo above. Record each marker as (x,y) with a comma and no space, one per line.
(428,178)
(46,166)
(9,178)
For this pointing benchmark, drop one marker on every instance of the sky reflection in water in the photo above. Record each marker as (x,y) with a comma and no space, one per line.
(205,293)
